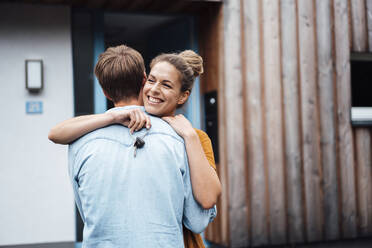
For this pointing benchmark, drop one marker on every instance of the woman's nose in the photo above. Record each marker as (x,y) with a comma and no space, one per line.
(155,88)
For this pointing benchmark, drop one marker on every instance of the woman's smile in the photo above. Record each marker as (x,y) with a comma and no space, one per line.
(154,100)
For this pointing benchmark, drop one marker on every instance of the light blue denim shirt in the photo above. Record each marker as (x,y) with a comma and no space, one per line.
(128,201)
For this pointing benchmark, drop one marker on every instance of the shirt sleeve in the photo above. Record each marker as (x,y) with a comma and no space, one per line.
(207,147)
(195,218)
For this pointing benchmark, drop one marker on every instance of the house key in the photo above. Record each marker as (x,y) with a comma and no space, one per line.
(139,143)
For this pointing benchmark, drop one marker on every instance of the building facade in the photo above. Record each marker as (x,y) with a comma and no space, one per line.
(276,98)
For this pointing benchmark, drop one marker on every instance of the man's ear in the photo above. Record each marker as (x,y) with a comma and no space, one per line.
(183,98)
(106,95)
(144,78)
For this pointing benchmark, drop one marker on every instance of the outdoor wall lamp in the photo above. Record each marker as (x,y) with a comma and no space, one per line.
(34,75)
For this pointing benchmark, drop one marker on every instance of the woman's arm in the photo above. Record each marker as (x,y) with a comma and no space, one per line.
(71,129)
(205,183)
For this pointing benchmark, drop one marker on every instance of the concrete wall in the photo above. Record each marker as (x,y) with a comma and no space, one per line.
(36,200)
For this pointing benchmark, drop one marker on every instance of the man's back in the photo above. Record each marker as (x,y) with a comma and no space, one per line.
(129,201)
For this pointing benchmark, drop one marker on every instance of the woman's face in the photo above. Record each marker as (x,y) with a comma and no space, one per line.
(162,90)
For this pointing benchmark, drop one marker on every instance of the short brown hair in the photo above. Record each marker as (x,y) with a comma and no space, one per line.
(120,72)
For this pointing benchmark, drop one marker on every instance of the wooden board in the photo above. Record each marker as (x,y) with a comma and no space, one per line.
(310,122)
(238,214)
(256,151)
(292,121)
(344,134)
(359,26)
(368,9)
(327,118)
(273,120)
(225,231)
(364,186)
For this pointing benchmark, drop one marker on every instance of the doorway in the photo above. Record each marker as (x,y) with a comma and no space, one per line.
(152,35)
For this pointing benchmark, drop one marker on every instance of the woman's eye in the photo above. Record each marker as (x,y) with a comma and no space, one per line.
(167,86)
(150,80)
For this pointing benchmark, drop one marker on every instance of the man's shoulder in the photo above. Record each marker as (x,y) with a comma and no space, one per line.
(158,126)
(116,133)
(120,134)
(162,128)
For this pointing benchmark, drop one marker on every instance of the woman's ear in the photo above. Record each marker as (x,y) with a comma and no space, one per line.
(183,98)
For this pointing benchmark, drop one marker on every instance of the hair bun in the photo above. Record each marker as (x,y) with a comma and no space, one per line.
(194,61)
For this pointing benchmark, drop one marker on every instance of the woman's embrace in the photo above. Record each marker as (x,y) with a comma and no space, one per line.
(155,172)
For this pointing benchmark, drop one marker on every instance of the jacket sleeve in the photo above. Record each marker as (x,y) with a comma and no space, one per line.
(195,218)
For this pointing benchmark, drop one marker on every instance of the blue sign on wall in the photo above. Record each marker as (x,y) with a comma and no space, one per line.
(34,107)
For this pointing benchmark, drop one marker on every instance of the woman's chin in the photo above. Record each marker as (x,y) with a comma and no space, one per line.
(153,111)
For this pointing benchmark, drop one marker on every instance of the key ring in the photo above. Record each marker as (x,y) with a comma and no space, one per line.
(138,142)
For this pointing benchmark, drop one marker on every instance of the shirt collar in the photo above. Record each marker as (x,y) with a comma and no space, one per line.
(126,107)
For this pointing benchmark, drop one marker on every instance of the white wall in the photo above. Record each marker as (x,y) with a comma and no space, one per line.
(36,200)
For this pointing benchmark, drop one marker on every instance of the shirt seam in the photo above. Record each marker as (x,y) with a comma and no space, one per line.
(121,143)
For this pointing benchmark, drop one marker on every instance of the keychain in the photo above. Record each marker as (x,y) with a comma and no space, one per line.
(138,143)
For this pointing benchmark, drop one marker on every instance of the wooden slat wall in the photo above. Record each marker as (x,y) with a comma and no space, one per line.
(297,171)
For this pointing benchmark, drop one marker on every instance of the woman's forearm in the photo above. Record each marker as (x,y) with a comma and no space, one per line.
(206,185)
(71,129)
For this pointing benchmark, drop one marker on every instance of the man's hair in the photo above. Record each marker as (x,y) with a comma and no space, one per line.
(120,72)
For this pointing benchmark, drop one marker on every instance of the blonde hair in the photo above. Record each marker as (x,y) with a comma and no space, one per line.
(188,63)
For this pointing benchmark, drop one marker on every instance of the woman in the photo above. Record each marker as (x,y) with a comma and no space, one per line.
(168,87)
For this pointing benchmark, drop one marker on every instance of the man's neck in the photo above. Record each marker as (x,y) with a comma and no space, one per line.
(127,103)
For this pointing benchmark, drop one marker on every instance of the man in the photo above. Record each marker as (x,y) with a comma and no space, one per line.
(131,197)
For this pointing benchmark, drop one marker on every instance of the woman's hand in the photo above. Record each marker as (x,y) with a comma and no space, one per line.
(181,125)
(134,119)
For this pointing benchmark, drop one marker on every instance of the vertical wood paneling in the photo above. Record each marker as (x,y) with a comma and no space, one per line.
(310,129)
(327,117)
(362,135)
(292,121)
(259,231)
(345,135)
(273,119)
(309,172)
(238,222)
